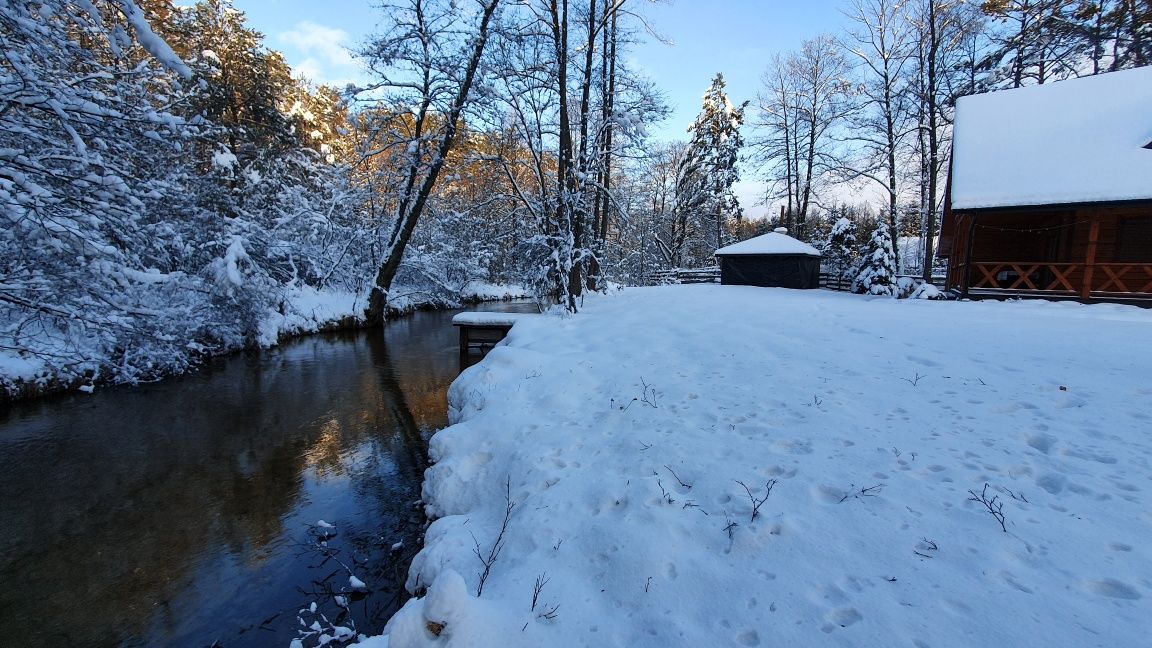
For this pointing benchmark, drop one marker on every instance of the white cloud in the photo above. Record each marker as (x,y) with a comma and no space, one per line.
(319,52)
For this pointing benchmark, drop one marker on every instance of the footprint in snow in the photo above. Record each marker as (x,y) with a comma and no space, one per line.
(748,638)
(841,617)
(1113,588)
(1041,442)
(1052,482)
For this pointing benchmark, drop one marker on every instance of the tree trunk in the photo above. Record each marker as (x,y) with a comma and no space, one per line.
(408,214)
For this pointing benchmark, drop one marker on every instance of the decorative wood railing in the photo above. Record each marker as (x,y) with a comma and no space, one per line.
(1081,279)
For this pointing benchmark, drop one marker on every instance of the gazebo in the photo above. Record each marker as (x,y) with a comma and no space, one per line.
(770,260)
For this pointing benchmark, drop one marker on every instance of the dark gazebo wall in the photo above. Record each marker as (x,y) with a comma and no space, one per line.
(771,271)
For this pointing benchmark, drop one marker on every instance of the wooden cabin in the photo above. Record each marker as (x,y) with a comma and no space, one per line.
(1050,191)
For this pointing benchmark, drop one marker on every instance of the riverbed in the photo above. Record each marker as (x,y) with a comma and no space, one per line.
(186,512)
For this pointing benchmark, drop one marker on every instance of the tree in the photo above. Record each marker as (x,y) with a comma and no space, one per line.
(945,69)
(546,73)
(877,275)
(708,170)
(1037,43)
(805,98)
(881,42)
(426,64)
(840,252)
(145,227)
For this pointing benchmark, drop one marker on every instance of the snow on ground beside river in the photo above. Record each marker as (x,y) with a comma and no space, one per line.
(862,428)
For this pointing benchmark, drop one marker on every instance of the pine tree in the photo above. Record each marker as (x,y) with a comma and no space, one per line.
(708,171)
(842,245)
(877,275)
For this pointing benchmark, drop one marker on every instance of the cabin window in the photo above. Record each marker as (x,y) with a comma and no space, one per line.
(1134,240)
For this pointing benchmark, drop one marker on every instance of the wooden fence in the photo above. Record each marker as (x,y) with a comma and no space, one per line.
(687,276)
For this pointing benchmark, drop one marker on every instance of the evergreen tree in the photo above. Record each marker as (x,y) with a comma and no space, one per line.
(841,250)
(708,171)
(877,274)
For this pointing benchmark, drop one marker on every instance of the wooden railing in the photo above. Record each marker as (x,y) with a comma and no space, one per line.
(1082,279)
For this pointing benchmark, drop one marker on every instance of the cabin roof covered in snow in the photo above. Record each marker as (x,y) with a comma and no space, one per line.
(770,243)
(1074,141)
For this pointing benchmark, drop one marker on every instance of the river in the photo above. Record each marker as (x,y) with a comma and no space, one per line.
(184,513)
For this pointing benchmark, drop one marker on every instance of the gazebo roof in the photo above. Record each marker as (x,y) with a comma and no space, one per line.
(773,243)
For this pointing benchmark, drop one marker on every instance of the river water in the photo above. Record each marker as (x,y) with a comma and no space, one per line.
(184,513)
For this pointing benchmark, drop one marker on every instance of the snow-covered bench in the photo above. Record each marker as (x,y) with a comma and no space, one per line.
(479,329)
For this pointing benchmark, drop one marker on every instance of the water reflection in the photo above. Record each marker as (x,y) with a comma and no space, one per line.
(179,513)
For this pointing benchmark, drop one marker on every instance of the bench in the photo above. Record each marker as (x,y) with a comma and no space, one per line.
(482,330)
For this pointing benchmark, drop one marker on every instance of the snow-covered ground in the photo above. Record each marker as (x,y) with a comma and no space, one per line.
(715,465)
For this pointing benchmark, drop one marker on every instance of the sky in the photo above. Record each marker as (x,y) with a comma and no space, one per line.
(692,41)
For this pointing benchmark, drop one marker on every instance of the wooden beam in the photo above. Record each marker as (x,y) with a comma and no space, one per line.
(1090,257)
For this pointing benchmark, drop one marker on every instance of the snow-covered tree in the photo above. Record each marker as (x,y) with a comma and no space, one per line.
(141,228)
(708,171)
(425,64)
(877,275)
(840,251)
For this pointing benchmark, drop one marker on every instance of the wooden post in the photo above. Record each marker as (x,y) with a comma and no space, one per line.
(782,223)
(1090,257)
(967,276)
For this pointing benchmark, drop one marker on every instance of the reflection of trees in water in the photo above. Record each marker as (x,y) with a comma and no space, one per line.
(141,512)
(133,487)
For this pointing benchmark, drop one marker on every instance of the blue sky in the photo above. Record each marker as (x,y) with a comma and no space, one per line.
(736,37)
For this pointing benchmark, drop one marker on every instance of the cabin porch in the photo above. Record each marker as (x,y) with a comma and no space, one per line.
(1081,253)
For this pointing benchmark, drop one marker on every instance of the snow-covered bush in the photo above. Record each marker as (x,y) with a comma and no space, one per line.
(926,291)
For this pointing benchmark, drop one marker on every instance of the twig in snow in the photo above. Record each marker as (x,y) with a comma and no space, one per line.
(541,581)
(914,381)
(498,545)
(692,504)
(994,505)
(667,496)
(730,527)
(647,396)
(757,503)
(1017,496)
(646,585)
(926,545)
(871,491)
(669,469)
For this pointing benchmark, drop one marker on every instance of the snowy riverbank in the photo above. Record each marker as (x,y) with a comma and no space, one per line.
(714,465)
(65,363)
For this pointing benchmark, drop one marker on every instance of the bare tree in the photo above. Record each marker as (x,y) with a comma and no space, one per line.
(807,96)
(947,36)
(418,63)
(881,43)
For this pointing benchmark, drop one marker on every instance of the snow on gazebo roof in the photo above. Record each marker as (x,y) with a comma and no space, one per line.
(1075,141)
(775,242)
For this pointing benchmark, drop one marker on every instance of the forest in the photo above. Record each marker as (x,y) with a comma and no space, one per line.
(169,185)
